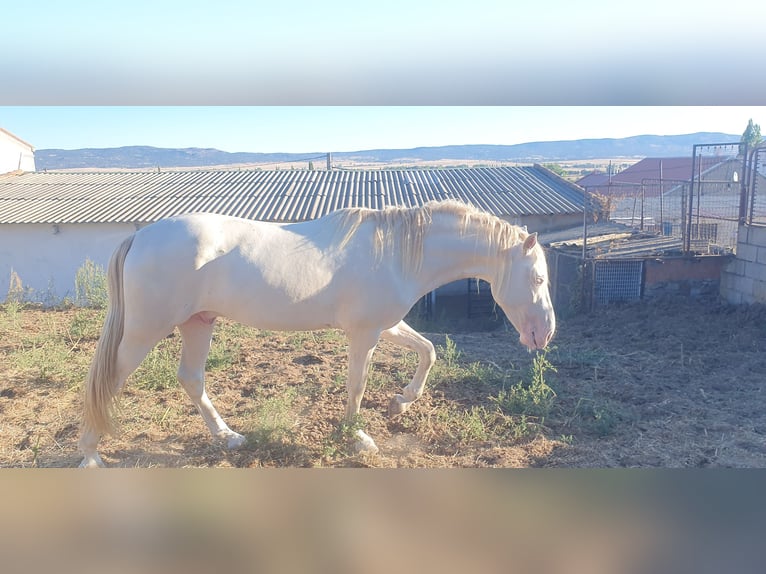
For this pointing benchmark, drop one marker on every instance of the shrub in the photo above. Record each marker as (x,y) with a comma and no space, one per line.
(90,286)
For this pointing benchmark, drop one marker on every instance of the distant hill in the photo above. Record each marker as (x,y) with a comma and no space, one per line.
(136,157)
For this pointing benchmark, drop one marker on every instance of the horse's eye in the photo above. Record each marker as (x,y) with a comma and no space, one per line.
(539,281)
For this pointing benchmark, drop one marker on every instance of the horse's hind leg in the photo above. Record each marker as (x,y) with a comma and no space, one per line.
(129,356)
(404,335)
(196,334)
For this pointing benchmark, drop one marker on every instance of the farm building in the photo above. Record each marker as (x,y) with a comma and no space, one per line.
(50,223)
(650,169)
(15,154)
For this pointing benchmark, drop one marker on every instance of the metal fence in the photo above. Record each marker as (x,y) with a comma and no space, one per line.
(754,209)
(580,285)
(716,195)
(700,214)
(702,211)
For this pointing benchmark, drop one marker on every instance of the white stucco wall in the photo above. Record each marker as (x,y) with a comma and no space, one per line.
(47,257)
(14,155)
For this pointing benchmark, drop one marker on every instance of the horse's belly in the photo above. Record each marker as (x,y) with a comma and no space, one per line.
(279,315)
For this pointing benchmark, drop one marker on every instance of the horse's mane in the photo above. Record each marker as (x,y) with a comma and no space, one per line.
(404,228)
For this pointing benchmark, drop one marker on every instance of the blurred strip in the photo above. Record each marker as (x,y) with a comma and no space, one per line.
(351,521)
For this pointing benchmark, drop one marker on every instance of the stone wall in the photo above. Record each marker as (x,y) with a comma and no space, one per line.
(695,277)
(744,279)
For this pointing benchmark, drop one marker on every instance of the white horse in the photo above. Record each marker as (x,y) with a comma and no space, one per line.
(358,270)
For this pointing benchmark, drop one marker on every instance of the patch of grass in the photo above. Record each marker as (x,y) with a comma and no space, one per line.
(377,378)
(332,336)
(530,398)
(48,355)
(11,312)
(461,425)
(339,443)
(508,414)
(297,340)
(457,426)
(449,369)
(167,418)
(273,420)
(450,353)
(159,370)
(224,353)
(339,380)
(85,325)
(263,333)
(17,292)
(90,286)
(595,417)
(45,361)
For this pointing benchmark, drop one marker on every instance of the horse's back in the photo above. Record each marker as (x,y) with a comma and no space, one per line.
(259,273)
(296,276)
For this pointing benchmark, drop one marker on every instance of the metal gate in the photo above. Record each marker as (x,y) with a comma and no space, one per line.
(753,207)
(712,209)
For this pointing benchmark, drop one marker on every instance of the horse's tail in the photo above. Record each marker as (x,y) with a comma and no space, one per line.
(101,387)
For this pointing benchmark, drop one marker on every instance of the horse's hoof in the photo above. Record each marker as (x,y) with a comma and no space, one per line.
(397,405)
(93,461)
(234,440)
(364,444)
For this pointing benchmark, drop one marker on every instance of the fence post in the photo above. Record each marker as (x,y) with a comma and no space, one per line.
(690,213)
(743,185)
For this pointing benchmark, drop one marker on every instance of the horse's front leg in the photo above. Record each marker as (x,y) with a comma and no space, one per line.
(404,335)
(361,346)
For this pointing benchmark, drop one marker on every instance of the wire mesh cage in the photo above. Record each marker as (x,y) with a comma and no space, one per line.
(617,280)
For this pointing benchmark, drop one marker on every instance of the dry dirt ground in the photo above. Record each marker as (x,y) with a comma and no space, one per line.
(663,384)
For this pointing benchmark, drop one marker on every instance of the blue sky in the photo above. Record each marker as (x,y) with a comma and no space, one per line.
(343,52)
(343,76)
(351,128)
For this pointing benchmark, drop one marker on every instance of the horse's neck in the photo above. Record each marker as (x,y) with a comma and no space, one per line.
(450,255)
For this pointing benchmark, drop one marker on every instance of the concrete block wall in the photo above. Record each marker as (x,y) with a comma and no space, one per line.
(744,279)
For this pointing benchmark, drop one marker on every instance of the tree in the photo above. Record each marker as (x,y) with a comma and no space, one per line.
(751,137)
(556,168)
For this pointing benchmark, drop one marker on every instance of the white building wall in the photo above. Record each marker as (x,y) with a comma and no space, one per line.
(15,154)
(46,257)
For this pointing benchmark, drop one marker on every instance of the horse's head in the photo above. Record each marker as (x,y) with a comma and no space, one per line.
(523,293)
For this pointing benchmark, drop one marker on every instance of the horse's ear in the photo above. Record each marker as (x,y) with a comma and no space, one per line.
(530,242)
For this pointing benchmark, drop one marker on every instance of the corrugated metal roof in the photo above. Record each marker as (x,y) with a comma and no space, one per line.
(653,168)
(281,195)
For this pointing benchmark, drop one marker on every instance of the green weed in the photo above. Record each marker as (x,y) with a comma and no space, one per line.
(274,419)
(595,416)
(533,397)
(85,325)
(462,425)
(90,285)
(339,442)
(159,369)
